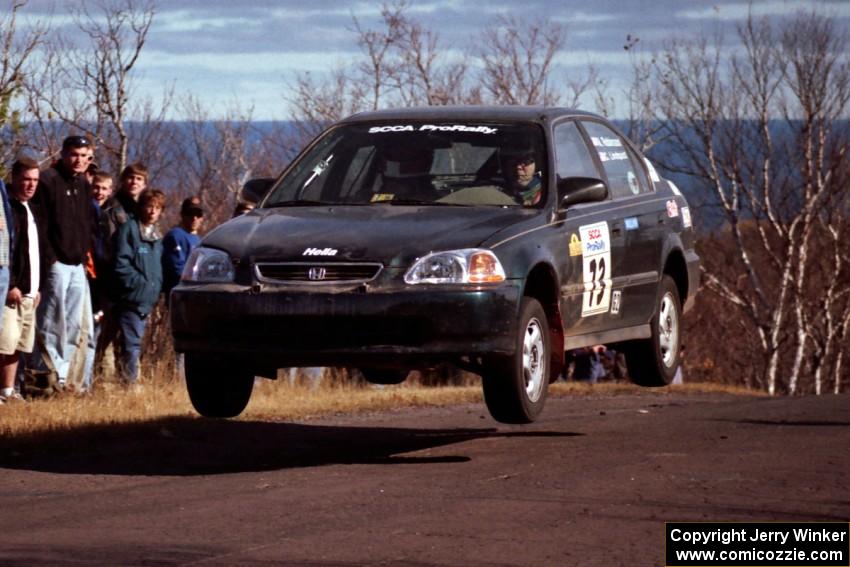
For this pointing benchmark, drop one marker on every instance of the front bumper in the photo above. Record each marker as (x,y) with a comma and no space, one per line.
(405,326)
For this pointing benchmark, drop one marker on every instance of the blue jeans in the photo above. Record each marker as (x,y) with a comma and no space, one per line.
(132,327)
(88,372)
(60,314)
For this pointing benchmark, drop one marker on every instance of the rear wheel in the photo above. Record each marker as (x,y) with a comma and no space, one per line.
(653,362)
(384,376)
(217,388)
(515,387)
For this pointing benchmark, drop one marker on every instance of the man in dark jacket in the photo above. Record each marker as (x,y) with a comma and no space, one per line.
(116,211)
(138,277)
(18,332)
(64,197)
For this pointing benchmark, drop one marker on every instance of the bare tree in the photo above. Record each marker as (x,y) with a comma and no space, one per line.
(517,60)
(87,82)
(403,63)
(316,103)
(761,133)
(217,156)
(378,46)
(424,75)
(16,54)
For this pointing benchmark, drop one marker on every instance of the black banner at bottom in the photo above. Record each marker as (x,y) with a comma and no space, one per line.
(745,544)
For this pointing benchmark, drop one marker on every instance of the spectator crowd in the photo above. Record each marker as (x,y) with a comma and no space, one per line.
(82,266)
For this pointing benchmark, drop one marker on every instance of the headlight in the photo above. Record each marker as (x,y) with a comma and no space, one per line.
(208,265)
(471,265)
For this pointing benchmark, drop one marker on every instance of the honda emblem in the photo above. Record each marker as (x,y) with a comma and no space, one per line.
(316,274)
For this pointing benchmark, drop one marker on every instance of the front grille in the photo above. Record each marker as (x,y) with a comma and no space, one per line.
(316,273)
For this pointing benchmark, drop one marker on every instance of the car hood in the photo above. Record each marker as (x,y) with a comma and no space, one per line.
(392,235)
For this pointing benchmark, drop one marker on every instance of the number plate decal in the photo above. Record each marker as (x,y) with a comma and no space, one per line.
(596,268)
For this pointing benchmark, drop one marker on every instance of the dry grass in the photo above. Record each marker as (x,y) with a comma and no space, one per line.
(277,401)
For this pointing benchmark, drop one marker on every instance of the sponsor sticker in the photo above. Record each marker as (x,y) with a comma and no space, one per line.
(613,156)
(672,208)
(319,252)
(615,302)
(606,142)
(596,268)
(575,245)
(686,217)
(478,129)
(631,223)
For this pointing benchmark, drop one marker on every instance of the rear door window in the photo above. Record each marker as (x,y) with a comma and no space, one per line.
(625,177)
(572,158)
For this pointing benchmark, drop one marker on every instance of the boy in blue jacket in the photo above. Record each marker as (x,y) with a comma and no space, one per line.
(179,242)
(138,277)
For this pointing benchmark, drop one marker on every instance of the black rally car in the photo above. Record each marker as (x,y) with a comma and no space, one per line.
(494,238)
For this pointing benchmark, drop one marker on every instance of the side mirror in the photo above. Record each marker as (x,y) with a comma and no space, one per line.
(575,190)
(255,189)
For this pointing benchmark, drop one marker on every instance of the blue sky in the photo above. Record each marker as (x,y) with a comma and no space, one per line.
(229,50)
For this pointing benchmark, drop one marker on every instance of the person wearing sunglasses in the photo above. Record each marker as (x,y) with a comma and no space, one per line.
(519,167)
(64,197)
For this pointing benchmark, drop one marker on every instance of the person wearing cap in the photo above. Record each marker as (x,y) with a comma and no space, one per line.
(519,167)
(64,197)
(18,316)
(179,242)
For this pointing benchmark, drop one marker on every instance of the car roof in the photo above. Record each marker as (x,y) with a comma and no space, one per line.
(477,113)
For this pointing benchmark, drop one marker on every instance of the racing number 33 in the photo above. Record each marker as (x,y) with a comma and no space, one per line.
(596,261)
(597,279)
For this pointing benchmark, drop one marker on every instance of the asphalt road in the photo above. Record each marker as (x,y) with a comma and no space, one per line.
(591,483)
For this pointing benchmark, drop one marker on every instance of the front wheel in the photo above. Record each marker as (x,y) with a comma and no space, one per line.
(653,362)
(515,387)
(217,388)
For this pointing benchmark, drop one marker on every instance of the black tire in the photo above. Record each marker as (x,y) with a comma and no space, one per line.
(653,362)
(515,387)
(384,376)
(217,388)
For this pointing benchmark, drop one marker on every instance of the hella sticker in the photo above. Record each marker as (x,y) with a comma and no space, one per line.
(319,252)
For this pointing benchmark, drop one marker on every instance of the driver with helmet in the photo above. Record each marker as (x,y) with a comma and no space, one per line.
(519,168)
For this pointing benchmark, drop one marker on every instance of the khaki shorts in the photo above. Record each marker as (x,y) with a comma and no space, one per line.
(18,332)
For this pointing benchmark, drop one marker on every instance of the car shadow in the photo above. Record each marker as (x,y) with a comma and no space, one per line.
(185,446)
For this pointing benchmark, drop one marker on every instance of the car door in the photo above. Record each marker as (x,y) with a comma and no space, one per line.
(595,244)
(640,214)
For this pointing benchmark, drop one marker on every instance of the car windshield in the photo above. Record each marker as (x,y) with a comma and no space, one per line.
(419,163)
